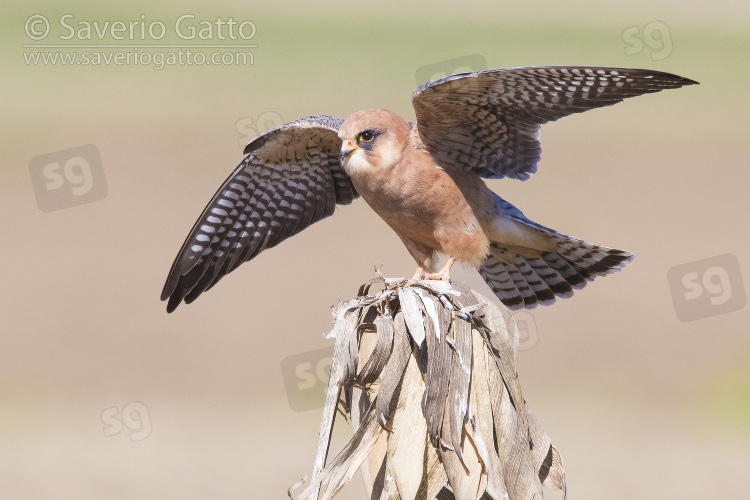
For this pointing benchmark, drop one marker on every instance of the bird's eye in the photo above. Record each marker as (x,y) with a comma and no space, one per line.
(366,136)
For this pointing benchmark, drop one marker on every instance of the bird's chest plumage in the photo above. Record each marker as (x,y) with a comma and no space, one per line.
(425,203)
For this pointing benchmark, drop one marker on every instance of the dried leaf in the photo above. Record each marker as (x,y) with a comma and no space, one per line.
(459,338)
(480,414)
(435,478)
(504,356)
(373,469)
(464,477)
(381,352)
(546,458)
(439,286)
(431,310)
(412,314)
(407,441)
(438,377)
(393,372)
(348,461)
(447,389)
(520,476)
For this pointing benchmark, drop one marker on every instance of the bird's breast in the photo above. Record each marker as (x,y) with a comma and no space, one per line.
(428,205)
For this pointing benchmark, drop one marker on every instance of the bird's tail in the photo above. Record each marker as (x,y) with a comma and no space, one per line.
(523,277)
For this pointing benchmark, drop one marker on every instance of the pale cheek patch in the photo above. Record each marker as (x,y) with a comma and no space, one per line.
(356,163)
(389,154)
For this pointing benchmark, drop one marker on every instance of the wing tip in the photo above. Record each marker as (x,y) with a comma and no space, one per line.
(169,287)
(671,79)
(172,304)
(688,81)
(170,293)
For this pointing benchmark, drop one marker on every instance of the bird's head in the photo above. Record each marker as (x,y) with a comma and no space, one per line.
(372,139)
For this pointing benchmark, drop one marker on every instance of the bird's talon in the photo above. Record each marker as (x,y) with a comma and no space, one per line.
(443,274)
(437,277)
(417,275)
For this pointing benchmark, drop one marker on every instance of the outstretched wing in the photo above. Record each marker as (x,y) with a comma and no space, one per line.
(489,121)
(291,177)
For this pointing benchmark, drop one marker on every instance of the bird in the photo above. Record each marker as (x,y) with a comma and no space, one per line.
(424,179)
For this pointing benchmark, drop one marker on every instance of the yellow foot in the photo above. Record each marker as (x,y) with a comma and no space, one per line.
(444,273)
(443,276)
(418,275)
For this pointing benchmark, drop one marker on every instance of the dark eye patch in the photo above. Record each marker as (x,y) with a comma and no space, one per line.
(366,138)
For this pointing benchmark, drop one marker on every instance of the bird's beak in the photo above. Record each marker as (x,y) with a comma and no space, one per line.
(347,148)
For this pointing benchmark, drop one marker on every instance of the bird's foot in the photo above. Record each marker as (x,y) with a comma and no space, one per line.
(417,275)
(443,274)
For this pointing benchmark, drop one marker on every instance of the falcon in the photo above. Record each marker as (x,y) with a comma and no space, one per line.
(425,179)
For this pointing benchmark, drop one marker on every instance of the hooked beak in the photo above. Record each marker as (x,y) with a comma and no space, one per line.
(347,148)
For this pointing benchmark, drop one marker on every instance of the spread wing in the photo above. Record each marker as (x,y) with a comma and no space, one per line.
(291,177)
(489,121)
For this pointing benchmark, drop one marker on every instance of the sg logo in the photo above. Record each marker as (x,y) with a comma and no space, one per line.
(464,64)
(306,378)
(249,128)
(524,329)
(655,35)
(68,178)
(707,287)
(134,416)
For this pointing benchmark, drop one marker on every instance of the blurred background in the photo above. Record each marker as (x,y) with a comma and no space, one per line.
(642,380)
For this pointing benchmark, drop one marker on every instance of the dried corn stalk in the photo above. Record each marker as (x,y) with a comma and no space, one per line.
(427,372)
